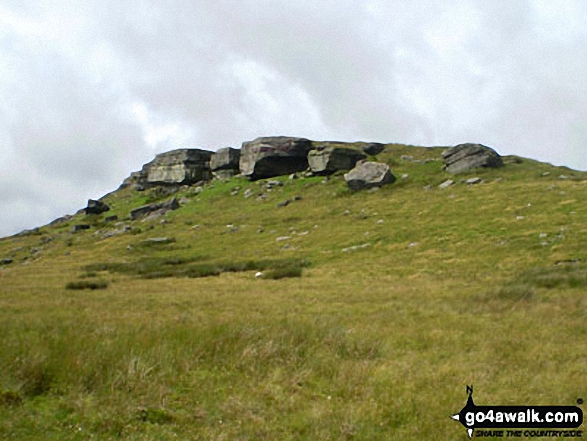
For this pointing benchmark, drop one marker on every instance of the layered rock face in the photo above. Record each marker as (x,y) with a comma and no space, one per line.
(331,159)
(183,166)
(465,157)
(176,167)
(267,157)
(225,163)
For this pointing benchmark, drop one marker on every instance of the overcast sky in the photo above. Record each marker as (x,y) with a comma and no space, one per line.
(91,90)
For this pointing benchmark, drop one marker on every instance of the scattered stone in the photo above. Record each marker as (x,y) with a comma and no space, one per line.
(198,190)
(157,240)
(60,220)
(542,235)
(161,207)
(474,181)
(373,190)
(380,221)
(407,158)
(297,198)
(346,212)
(79,227)
(520,217)
(5,261)
(546,174)
(446,184)
(427,187)
(266,157)
(282,238)
(111,218)
(96,207)
(288,246)
(116,232)
(258,274)
(271,184)
(369,175)
(248,193)
(304,233)
(355,247)
(413,244)
(283,203)
(563,177)
(465,157)
(184,201)
(30,232)
(405,176)
(293,176)
(332,159)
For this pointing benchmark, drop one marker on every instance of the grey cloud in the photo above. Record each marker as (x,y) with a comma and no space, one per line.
(507,74)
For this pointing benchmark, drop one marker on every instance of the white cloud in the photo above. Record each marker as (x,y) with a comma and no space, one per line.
(89,91)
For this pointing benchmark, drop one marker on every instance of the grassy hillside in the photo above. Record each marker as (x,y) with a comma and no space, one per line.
(404,296)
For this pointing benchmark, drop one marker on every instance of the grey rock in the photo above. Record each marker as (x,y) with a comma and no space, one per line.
(407,158)
(157,240)
(79,227)
(332,159)
(60,220)
(184,201)
(31,232)
(5,261)
(270,184)
(145,210)
(446,184)
(465,157)
(474,181)
(226,158)
(225,175)
(267,157)
(372,148)
(111,219)
(176,167)
(297,198)
(369,175)
(248,193)
(96,207)
(284,203)
(282,238)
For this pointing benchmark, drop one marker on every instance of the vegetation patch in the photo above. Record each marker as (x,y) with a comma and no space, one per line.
(156,268)
(87,284)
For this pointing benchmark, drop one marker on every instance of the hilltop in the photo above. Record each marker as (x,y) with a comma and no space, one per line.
(372,311)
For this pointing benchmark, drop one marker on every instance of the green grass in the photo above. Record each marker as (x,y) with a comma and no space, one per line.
(437,289)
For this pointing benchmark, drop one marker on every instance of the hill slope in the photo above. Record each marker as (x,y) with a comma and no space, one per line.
(406,295)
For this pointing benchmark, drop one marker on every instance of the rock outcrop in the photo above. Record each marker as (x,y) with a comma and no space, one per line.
(369,175)
(160,208)
(225,163)
(465,157)
(176,167)
(267,157)
(331,159)
(96,207)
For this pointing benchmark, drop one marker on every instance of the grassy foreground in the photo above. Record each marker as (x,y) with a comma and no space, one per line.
(384,306)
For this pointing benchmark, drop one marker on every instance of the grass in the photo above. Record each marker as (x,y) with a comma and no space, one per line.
(438,289)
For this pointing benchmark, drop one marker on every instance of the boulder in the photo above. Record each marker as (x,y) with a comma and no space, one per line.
(465,157)
(96,207)
(79,227)
(267,157)
(226,158)
(372,148)
(162,207)
(332,159)
(369,175)
(176,167)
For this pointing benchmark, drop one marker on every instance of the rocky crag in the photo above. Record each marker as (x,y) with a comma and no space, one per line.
(268,157)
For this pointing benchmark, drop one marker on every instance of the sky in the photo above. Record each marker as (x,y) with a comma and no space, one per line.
(91,90)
